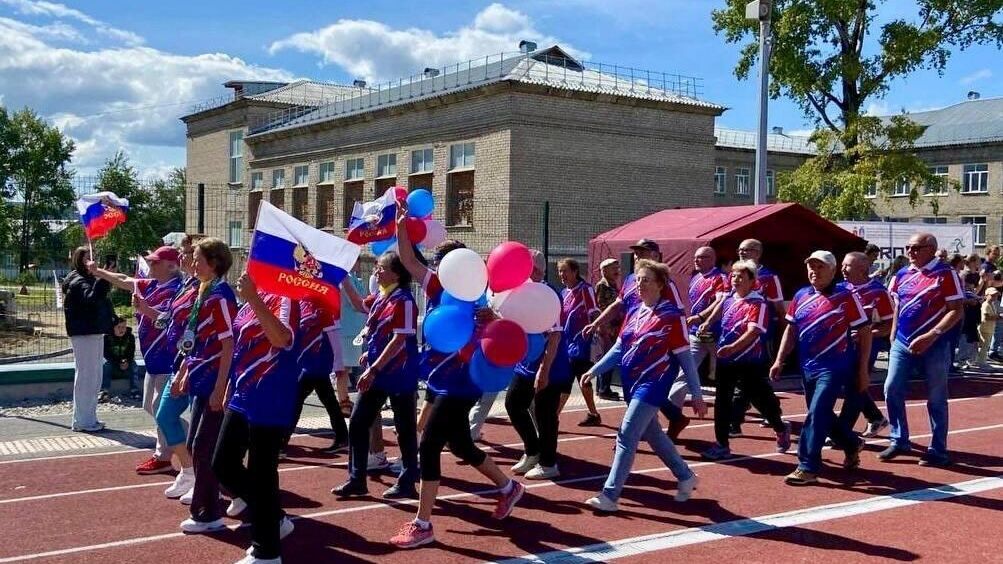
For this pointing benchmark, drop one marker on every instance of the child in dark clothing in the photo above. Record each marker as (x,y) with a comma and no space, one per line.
(120,355)
(970,322)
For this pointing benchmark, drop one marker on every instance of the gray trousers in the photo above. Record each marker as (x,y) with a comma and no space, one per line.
(202,437)
(479,414)
(87,352)
(699,350)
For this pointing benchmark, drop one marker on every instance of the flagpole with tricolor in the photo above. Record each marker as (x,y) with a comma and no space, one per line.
(99,214)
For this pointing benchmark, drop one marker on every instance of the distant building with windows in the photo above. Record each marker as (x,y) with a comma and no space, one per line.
(735,163)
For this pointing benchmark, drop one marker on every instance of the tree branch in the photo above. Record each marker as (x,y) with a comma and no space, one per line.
(822,112)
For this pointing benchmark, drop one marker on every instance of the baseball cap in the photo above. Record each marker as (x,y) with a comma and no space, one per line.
(646,244)
(824,256)
(608,262)
(165,253)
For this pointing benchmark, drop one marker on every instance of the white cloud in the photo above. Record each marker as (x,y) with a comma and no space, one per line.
(54,32)
(375,51)
(880,108)
(60,11)
(976,76)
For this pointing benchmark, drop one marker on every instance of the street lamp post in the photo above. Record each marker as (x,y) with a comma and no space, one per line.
(760,10)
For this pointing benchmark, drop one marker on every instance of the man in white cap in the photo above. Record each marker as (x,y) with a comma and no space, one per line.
(820,318)
(607,291)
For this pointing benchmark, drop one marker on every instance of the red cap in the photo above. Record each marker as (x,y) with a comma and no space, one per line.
(167,253)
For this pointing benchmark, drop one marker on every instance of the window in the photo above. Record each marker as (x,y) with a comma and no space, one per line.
(938,188)
(257,181)
(278,178)
(421,161)
(720,180)
(236,156)
(325,207)
(326,172)
(253,203)
(901,188)
(934,220)
(980,229)
(301,175)
(353,193)
(975,179)
(742,181)
(299,203)
(461,155)
(460,199)
(234,234)
(771,186)
(277,197)
(386,165)
(871,191)
(896,219)
(355,169)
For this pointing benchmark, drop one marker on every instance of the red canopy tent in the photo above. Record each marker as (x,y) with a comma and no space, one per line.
(789,232)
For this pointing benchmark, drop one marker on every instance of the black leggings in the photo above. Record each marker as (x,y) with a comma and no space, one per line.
(755,382)
(258,483)
(521,393)
(367,410)
(310,383)
(448,424)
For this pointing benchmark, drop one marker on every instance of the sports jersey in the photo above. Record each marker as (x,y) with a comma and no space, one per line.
(703,290)
(650,340)
(737,316)
(264,379)
(214,324)
(177,311)
(158,356)
(921,298)
(874,298)
(578,305)
(394,314)
(768,285)
(316,339)
(823,322)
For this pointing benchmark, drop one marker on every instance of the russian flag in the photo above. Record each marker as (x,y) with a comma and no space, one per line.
(293,259)
(374,221)
(101,212)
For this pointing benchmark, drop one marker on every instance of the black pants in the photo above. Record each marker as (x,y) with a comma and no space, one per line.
(203,433)
(448,424)
(755,382)
(858,403)
(310,383)
(367,410)
(540,439)
(258,483)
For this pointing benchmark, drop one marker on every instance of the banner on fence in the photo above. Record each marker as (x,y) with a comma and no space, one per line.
(892,236)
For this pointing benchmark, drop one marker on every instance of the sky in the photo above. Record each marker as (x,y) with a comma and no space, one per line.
(117,75)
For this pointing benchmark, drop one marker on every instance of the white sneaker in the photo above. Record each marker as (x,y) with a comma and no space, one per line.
(873,429)
(377,461)
(184,482)
(686,488)
(543,473)
(186,499)
(602,503)
(252,560)
(193,527)
(285,527)
(236,507)
(525,464)
(93,428)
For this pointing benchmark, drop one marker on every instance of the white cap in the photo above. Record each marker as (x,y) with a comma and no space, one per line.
(608,262)
(824,256)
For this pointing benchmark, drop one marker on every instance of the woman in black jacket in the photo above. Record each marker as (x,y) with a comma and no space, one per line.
(88,317)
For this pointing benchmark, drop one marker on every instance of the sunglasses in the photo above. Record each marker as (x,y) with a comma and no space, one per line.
(916,247)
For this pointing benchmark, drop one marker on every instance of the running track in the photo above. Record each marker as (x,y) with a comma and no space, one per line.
(95,509)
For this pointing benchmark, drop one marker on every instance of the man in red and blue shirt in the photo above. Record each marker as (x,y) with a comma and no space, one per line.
(820,319)
(928,300)
(707,286)
(578,309)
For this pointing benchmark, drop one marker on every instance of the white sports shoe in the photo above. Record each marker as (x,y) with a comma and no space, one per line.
(602,503)
(686,488)
(193,527)
(252,560)
(540,472)
(186,499)
(525,464)
(184,482)
(236,507)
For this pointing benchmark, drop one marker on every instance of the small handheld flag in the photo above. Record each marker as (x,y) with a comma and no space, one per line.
(101,212)
(293,259)
(374,221)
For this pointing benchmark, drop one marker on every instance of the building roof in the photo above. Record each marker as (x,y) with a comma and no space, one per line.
(775,142)
(971,121)
(551,67)
(306,93)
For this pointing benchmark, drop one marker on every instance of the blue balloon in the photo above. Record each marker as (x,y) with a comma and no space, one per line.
(482,301)
(420,203)
(448,328)
(380,247)
(537,344)
(486,376)
(448,299)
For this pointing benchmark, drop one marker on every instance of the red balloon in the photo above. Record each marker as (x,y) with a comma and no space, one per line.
(509,266)
(504,343)
(400,193)
(416,230)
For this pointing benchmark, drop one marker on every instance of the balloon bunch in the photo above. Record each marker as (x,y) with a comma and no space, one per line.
(526,309)
(422,230)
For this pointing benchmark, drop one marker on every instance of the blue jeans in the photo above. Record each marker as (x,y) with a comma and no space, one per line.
(169,416)
(820,392)
(997,345)
(112,370)
(641,422)
(933,365)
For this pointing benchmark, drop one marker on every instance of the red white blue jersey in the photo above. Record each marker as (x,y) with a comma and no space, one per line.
(394,314)
(628,295)
(921,298)
(446,374)
(738,315)
(577,311)
(265,383)
(875,299)
(158,356)
(823,323)
(704,289)
(651,338)
(768,285)
(213,325)
(316,339)
(178,311)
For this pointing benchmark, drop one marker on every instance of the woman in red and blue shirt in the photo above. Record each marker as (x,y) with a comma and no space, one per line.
(578,310)
(653,346)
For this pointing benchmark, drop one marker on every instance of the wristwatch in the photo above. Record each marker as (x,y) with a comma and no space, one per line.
(937,332)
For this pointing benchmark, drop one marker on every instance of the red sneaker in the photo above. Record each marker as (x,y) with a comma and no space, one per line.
(506,502)
(412,535)
(154,466)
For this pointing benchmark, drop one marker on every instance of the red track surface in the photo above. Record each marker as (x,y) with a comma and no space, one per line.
(95,509)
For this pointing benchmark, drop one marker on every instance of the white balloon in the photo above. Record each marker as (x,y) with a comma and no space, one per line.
(435,233)
(463,274)
(534,306)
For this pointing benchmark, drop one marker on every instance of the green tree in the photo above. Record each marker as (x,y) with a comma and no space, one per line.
(35,183)
(826,57)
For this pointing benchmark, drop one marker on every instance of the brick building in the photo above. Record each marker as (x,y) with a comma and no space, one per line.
(734,174)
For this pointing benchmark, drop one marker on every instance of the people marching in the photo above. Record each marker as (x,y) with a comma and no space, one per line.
(242,363)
